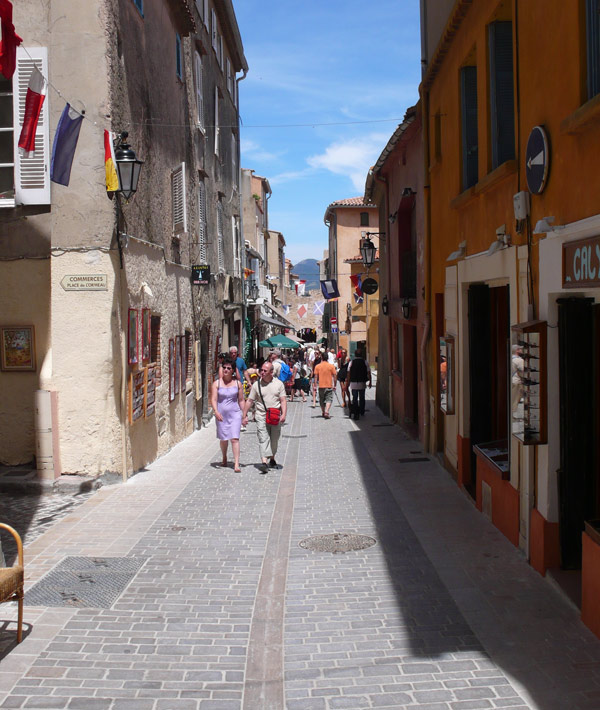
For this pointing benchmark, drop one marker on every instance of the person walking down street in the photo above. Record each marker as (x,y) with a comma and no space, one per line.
(313,379)
(227,400)
(359,374)
(342,374)
(239,362)
(268,396)
(325,374)
(298,372)
(250,377)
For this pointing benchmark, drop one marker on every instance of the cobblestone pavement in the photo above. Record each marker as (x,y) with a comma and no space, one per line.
(229,612)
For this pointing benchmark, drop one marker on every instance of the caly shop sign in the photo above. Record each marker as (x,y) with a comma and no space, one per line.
(581,263)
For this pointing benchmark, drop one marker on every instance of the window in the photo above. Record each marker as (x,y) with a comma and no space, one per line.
(202,230)
(501,93)
(220,244)
(205,15)
(188,354)
(468,100)
(155,346)
(23,181)
(592,20)
(217,128)
(199,92)
(364,219)
(140,6)
(234,162)
(178,69)
(229,78)
(178,200)
(235,233)
(213,28)
(220,52)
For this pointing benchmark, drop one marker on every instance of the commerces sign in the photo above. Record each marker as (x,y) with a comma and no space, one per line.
(581,263)
(85,282)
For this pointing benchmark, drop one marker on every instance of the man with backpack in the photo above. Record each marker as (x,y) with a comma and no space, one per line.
(359,374)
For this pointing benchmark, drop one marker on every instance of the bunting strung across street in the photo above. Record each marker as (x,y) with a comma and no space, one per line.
(34,99)
(302,310)
(10,41)
(65,143)
(319,308)
(286,310)
(300,287)
(357,283)
(330,289)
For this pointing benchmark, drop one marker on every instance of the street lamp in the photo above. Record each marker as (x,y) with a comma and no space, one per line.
(367,250)
(128,167)
(253,292)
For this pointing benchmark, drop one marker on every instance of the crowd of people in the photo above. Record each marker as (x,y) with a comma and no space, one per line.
(264,388)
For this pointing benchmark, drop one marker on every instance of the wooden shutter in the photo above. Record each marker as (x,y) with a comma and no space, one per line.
(214,30)
(501,93)
(202,250)
(220,244)
(468,95)
(32,175)
(217,128)
(178,200)
(199,91)
(592,18)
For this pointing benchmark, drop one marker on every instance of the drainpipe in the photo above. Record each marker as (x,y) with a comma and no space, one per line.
(427,274)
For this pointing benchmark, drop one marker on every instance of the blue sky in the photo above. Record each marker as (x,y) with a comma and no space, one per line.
(348,64)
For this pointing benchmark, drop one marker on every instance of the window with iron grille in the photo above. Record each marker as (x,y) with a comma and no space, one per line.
(220,243)
(202,228)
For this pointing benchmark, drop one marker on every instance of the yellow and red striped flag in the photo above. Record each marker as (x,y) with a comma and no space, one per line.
(112,180)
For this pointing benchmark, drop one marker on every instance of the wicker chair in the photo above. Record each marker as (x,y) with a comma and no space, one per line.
(12,580)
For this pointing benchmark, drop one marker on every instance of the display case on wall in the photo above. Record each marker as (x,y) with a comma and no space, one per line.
(446,356)
(529,382)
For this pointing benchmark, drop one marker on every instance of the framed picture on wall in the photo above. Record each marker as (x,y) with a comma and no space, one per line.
(177,364)
(145,334)
(171,370)
(17,353)
(132,337)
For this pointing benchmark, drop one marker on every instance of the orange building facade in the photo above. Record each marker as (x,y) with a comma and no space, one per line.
(511,116)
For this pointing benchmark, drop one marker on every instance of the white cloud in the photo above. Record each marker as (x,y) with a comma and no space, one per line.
(351,158)
(253,150)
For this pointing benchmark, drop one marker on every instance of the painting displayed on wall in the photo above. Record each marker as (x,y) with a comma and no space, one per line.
(132,337)
(178,364)
(17,348)
(145,334)
(171,370)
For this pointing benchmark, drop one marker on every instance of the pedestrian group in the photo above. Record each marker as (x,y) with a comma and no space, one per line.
(263,390)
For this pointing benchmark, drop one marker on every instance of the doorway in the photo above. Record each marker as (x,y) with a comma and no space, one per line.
(578,476)
(489,334)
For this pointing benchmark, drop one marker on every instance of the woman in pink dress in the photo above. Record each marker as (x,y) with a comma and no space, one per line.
(227,400)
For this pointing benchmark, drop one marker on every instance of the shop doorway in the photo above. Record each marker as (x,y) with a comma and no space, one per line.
(489,335)
(578,476)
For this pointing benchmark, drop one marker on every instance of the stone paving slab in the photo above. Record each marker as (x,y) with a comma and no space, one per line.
(441,613)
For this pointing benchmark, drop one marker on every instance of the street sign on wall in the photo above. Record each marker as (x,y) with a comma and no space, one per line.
(200,274)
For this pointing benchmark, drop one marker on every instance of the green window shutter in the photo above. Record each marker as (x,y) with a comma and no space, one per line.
(501,93)
(470,146)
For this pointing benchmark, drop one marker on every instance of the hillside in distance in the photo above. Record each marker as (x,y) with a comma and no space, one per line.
(308,269)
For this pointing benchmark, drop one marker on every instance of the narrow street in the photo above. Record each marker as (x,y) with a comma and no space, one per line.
(219,605)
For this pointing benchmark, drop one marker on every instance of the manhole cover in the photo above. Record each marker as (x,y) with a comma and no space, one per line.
(85,582)
(337,542)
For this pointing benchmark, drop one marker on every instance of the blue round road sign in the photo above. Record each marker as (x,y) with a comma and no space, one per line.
(537,160)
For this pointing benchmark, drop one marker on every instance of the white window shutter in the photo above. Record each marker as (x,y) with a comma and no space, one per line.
(32,175)
(217,128)
(214,30)
(206,13)
(236,246)
(178,199)
(220,244)
(199,92)
(202,250)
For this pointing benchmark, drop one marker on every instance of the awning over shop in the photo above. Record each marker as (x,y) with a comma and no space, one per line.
(273,321)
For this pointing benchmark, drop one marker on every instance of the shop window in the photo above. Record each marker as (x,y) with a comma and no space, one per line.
(592,23)
(468,100)
(502,108)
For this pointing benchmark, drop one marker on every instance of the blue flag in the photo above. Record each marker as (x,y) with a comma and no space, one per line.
(330,289)
(65,142)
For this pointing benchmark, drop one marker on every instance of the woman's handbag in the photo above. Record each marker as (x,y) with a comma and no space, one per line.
(273,415)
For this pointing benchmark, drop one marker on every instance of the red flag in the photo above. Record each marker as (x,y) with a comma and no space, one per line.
(357,283)
(36,93)
(10,40)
